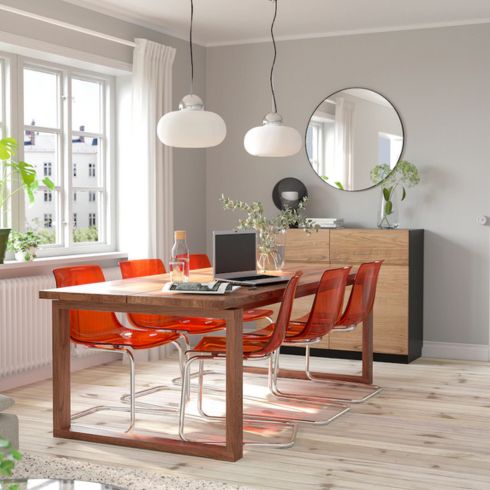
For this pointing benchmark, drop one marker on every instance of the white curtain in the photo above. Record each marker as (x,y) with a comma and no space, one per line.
(152,195)
(146,176)
(344,117)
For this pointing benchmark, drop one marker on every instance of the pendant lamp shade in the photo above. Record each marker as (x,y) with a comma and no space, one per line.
(191,126)
(272,139)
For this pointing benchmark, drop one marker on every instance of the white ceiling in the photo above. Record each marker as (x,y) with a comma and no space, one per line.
(220,22)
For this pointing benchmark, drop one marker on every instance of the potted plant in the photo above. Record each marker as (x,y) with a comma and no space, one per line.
(271,233)
(394,185)
(15,177)
(25,245)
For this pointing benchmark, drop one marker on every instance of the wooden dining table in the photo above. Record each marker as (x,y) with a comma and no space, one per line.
(145,295)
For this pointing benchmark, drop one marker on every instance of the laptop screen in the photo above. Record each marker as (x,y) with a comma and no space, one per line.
(234,252)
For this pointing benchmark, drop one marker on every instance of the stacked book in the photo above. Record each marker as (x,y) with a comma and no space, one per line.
(328,222)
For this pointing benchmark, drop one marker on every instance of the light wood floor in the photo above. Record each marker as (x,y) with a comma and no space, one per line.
(429,429)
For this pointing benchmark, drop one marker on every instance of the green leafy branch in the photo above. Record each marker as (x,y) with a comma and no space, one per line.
(8,458)
(404,175)
(255,219)
(26,173)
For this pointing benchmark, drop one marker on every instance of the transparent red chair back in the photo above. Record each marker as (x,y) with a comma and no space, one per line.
(86,325)
(327,305)
(363,293)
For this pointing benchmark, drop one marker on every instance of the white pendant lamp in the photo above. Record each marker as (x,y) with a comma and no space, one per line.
(273,138)
(191,126)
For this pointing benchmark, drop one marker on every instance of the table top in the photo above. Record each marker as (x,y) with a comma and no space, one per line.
(35,484)
(148,291)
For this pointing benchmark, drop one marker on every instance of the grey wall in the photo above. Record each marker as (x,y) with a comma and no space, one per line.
(189,165)
(439,80)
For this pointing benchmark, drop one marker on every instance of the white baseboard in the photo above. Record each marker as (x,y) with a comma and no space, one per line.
(448,350)
(10,382)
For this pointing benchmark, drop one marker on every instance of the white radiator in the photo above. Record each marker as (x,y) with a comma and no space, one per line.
(25,324)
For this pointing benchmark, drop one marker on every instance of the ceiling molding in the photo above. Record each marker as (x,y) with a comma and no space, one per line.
(355,32)
(144,22)
(136,20)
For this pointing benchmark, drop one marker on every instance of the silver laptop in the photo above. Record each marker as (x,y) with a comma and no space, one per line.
(235,259)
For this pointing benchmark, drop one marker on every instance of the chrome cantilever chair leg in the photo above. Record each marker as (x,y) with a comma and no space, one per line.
(277,418)
(184,400)
(154,389)
(178,381)
(132,405)
(376,389)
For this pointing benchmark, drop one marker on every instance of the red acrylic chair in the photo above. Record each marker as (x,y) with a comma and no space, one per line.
(185,325)
(253,348)
(201,261)
(102,330)
(326,316)
(359,309)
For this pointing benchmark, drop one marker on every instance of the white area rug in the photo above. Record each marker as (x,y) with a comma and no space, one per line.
(33,466)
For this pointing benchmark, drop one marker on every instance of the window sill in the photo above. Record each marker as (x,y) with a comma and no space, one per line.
(45,265)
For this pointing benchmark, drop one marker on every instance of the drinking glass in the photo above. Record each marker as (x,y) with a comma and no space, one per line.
(177,271)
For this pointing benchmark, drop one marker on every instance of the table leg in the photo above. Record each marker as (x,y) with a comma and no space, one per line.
(61,369)
(231,451)
(234,384)
(367,349)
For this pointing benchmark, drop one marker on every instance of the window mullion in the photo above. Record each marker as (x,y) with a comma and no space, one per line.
(17,131)
(67,160)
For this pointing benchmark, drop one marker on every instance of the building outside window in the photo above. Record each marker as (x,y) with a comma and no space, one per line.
(48,196)
(74,169)
(92,219)
(48,220)
(75,220)
(91,169)
(91,196)
(48,169)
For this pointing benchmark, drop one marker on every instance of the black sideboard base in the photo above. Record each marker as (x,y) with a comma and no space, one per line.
(346,354)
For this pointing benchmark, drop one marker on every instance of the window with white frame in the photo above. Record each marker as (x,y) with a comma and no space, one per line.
(65,125)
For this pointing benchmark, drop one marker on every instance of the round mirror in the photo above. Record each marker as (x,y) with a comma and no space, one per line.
(349,133)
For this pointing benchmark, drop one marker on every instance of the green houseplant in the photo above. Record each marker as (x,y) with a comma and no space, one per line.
(25,245)
(394,185)
(270,232)
(8,458)
(15,177)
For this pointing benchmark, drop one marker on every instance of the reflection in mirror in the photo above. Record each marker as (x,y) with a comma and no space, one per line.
(351,132)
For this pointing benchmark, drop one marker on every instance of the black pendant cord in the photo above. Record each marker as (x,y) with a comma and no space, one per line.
(274,102)
(190,48)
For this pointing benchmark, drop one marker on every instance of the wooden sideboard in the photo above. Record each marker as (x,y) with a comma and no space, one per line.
(398,309)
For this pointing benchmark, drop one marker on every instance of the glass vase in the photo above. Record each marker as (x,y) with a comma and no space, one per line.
(388,210)
(271,250)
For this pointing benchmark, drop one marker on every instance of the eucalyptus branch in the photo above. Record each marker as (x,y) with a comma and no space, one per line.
(266,228)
